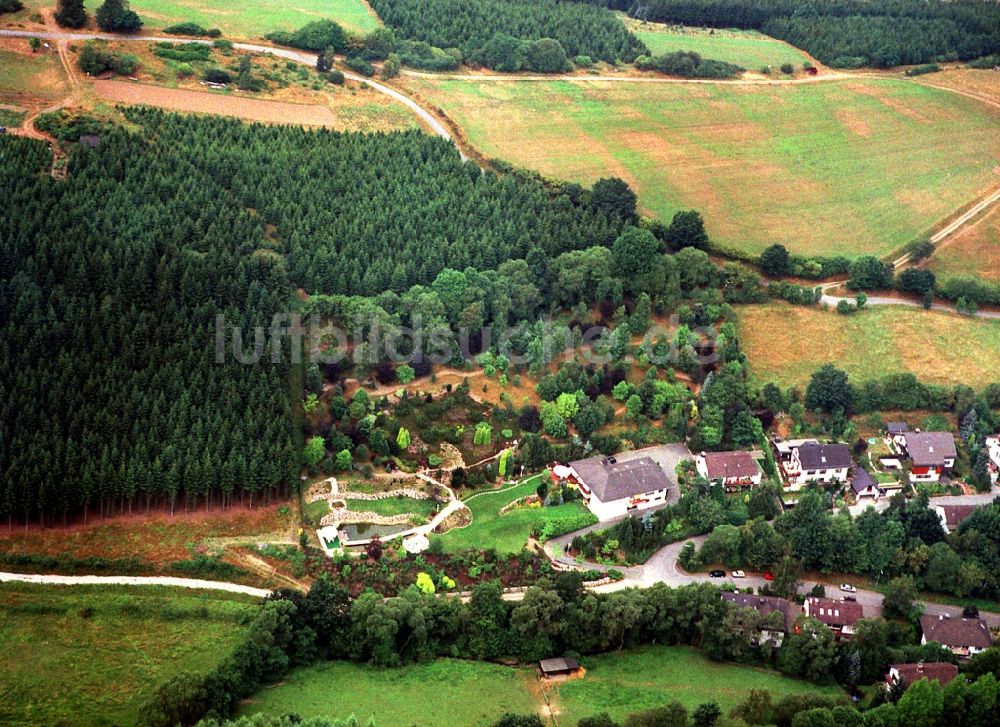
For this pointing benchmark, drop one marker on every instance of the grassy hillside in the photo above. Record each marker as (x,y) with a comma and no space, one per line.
(94,655)
(824,168)
(975,250)
(25,77)
(749,49)
(788,343)
(624,682)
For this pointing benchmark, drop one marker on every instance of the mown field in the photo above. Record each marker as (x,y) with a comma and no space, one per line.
(85,655)
(623,682)
(251,19)
(974,250)
(509,532)
(749,49)
(786,344)
(844,167)
(468,693)
(27,78)
(446,691)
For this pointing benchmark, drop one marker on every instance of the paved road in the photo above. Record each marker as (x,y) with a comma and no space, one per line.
(308,59)
(833,300)
(134,581)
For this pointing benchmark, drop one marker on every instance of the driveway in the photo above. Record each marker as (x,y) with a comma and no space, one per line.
(668,456)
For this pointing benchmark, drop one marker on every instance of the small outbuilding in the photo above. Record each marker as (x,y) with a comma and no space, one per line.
(563,667)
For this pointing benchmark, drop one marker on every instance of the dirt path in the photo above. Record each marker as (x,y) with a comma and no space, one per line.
(134,581)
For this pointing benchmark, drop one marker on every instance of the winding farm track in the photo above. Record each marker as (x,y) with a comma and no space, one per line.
(308,59)
(134,581)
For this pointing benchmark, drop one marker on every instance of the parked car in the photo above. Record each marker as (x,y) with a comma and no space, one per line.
(848,588)
(739,574)
(852,599)
(768,576)
(3,129)
(717,573)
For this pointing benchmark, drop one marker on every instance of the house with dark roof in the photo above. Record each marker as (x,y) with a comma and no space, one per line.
(936,671)
(964,637)
(931,454)
(735,470)
(953,515)
(611,488)
(806,460)
(839,616)
(772,629)
(864,485)
(894,428)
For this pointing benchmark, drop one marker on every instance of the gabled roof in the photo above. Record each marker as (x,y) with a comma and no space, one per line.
(957,632)
(610,480)
(955,514)
(897,427)
(824,456)
(722,465)
(765,605)
(939,671)
(861,480)
(834,613)
(929,449)
(550,666)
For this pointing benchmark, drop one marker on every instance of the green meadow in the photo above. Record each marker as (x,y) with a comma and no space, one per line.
(749,49)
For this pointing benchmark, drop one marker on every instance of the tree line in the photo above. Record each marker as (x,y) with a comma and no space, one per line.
(494,34)
(850,33)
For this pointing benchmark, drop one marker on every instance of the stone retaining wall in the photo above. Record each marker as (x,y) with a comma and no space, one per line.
(349,517)
(406,492)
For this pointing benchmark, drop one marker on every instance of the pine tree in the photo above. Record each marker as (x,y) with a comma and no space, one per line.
(71,14)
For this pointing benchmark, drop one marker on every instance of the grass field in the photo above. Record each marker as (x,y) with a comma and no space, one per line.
(748,49)
(254,18)
(251,19)
(25,77)
(509,532)
(975,250)
(624,682)
(11,118)
(393,506)
(840,167)
(788,343)
(93,656)
(446,691)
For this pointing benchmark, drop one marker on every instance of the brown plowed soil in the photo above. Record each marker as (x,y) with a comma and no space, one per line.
(252,109)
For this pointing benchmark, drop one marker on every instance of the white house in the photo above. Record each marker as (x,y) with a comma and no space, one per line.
(993,450)
(864,485)
(964,637)
(931,454)
(612,489)
(806,460)
(953,515)
(735,470)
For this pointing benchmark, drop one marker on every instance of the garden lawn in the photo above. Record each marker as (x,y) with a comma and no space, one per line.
(973,252)
(252,18)
(787,343)
(445,691)
(620,683)
(65,664)
(828,168)
(747,49)
(393,506)
(507,533)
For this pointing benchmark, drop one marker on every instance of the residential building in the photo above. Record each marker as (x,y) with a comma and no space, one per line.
(964,637)
(839,616)
(993,451)
(735,470)
(611,488)
(953,515)
(936,671)
(774,630)
(864,485)
(806,460)
(931,454)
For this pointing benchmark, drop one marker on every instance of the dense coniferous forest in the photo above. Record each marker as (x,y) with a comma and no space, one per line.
(846,33)
(471,25)
(110,283)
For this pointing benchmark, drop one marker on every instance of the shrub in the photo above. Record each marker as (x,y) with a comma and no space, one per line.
(315,36)
(190,28)
(217,75)
(335,77)
(115,16)
(924,69)
(787,68)
(360,65)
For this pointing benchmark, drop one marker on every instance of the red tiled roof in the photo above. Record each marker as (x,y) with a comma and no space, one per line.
(939,671)
(834,613)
